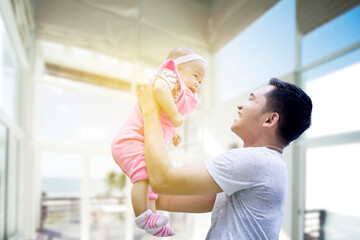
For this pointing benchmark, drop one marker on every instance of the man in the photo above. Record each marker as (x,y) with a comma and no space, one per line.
(245,188)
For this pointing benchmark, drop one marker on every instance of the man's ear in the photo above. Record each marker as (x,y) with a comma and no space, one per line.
(272,119)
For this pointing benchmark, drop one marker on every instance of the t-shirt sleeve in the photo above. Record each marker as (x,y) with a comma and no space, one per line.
(238,169)
(170,77)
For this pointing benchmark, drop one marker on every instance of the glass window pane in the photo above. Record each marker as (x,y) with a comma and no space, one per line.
(107,179)
(61,188)
(13,189)
(108,223)
(265,49)
(108,198)
(333,36)
(60,218)
(332,185)
(3,144)
(61,174)
(80,116)
(334,97)
(9,76)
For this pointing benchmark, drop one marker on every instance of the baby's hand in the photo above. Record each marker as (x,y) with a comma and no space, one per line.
(176,140)
(177,120)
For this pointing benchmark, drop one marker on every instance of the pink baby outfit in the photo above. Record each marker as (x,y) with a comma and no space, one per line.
(128,145)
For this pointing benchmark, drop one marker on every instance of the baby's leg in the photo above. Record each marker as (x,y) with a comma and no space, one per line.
(146,219)
(139,196)
(152,205)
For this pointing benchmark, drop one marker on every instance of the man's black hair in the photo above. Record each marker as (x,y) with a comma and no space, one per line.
(294,107)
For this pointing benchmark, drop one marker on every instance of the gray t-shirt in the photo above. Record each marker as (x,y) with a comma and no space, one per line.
(252,206)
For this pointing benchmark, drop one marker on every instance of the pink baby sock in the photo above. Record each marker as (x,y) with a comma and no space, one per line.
(164,231)
(154,224)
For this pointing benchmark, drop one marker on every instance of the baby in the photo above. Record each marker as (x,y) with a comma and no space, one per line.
(175,87)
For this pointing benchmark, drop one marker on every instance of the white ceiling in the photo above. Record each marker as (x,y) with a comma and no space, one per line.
(145,30)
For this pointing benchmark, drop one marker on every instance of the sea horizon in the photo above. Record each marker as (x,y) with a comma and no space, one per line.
(71,187)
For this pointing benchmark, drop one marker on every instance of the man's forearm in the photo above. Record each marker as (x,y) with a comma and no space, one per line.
(157,159)
(189,204)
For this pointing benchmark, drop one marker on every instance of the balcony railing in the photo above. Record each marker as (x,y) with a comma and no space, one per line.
(61,218)
(314,224)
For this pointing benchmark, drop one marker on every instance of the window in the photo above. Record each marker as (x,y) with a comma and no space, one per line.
(264,50)
(333,36)
(78,193)
(3,147)
(9,77)
(61,174)
(106,177)
(10,82)
(329,172)
(61,188)
(109,203)
(332,143)
(332,186)
(13,188)
(76,116)
(334,93)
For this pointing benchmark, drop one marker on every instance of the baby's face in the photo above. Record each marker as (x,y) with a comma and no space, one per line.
(192,73)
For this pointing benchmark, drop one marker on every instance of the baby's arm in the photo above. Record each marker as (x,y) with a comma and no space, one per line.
(166,101)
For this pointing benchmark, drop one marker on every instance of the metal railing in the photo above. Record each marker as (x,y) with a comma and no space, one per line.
(314,222)
(61,217)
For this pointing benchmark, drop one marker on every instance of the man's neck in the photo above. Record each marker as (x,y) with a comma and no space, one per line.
(274,146)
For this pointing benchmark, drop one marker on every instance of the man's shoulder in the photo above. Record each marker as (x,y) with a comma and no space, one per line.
(256,155)
(246,155)
(253,151)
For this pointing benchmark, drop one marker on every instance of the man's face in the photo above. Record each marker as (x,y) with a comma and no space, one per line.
(251,115)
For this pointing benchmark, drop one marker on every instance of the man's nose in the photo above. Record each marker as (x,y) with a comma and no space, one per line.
(240,106)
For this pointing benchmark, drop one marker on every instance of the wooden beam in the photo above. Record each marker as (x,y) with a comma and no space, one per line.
(86,77)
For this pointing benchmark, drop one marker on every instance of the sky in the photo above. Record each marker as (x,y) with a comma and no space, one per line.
(267,48)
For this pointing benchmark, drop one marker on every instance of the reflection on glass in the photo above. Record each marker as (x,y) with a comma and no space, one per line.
(335,97)
(333,36)
(61,186)
(332,186)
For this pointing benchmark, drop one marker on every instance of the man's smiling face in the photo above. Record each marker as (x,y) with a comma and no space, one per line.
(250,120)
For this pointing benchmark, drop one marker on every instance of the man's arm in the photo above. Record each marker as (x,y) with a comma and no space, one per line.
(188,204)
(190,179)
